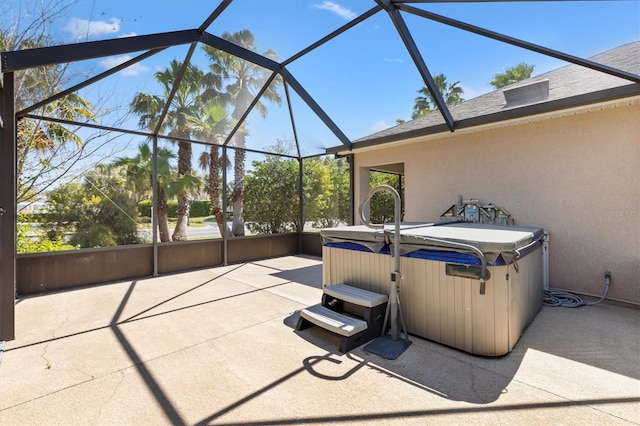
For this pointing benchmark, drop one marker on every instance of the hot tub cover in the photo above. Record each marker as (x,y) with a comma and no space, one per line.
(493,241)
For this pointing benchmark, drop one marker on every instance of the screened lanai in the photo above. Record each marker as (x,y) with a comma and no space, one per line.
(195,106)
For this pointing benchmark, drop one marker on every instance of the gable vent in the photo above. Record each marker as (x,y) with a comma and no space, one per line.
(528,93)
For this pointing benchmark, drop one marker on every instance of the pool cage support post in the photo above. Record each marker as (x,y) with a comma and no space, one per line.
(8,213)
(154,206)
(301,205)
(225,259)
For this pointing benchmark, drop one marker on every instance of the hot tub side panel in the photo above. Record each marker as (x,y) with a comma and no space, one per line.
(450,310)
(526,293)
(447,309)
(369,271)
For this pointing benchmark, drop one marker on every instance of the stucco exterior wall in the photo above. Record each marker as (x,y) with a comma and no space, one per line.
(577,176)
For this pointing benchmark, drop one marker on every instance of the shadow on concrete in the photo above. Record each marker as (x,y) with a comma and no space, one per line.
(587,336)
(309,275)
(398,416)
(159,394)
(602,336)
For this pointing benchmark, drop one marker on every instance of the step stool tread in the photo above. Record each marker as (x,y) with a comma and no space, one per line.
(333,321)
(355,295)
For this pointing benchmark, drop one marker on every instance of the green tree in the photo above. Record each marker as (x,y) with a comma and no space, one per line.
(194,90)
(271,196)
(210,124)
(451,93)
(97,212)
(243,79)
(382,208)
(338,208)
(511,75)
(321,192)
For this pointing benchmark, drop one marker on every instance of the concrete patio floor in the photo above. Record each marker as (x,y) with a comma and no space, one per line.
(218,346)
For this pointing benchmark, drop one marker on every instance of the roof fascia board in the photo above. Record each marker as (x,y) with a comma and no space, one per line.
(52,55)
(517,115)
(560,105)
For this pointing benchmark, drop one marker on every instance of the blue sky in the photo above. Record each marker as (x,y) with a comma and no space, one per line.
(364,79)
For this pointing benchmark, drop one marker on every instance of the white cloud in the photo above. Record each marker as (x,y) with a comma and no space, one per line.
(341,11)
(378,126)
(127,35)
(130,71)
(394,60)
(81,29)
(472,92)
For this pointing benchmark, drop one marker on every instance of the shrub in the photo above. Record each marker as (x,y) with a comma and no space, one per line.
(200,208)
(144,208)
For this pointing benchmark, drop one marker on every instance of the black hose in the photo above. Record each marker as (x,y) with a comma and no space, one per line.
(569,300)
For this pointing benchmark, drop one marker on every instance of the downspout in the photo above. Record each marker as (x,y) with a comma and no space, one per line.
(352,188)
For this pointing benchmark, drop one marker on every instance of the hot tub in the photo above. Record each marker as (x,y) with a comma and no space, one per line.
(441,293)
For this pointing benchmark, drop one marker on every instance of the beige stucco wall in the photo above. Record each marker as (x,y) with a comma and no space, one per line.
(578,176)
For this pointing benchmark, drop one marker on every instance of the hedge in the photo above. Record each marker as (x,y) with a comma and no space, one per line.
(199,208)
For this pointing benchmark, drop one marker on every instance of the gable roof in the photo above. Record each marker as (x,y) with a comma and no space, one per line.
(570,86)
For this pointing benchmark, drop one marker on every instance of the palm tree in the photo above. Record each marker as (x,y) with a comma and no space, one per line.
(452,94)
(211,124)
(140,169)
(194,89)
(243,79)
(511,75)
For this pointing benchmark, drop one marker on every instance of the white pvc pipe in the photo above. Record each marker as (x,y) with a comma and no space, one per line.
(545,260)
